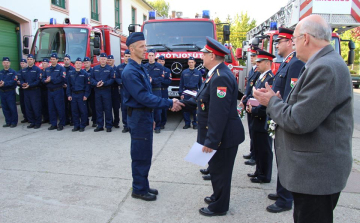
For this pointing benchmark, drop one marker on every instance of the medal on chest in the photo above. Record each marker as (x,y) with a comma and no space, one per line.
(203,106)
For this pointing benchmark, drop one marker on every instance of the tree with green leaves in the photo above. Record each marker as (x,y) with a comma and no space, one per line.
(161,7)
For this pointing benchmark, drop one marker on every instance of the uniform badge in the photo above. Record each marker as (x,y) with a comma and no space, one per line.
(64,74)
(251,83)
(293,82)
(40,75)
(203,106)
(16,78)
(221,92)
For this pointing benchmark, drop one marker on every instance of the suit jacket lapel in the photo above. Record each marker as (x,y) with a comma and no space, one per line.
(205,82)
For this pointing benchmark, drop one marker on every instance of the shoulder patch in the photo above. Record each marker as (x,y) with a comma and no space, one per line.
(293,82)
(221,92)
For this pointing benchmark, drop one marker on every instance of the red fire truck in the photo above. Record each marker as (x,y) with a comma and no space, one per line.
(77,40)
(179,38)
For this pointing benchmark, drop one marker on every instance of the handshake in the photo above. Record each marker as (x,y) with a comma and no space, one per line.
(177,105)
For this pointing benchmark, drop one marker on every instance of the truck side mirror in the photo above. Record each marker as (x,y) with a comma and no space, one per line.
(131,29)
(255,41)
(351,55)
(226,32)
(26,51)
(239,53)
(96,51)
(26,42)
(96,42)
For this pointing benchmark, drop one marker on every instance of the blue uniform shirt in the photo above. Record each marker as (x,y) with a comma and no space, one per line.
(137,88)
(167,78)
(156,72)
(106,74)
(57,75)
(78,81)
(31,75)
(119,71)
(9,78)
(190,79)
(67,69)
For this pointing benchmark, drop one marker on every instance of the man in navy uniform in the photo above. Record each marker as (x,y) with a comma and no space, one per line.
(261,140)
(115,94)
(30,81)
(54,79)
(253,76)
(156,72)
(91,99)
(102,78)
(164,89)
(7,94)
(23,64)
(191,79)
(284,80)
(78,91)
(44,94)
(68,67)
(140,103)
(220,127)
(118,79)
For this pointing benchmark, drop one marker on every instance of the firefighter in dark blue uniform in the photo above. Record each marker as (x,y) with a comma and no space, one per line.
(118,79)
(156,72)
(23,64)
(219,125)
(30,81)
(191,79)
(68,67)
(253,76)
(261,140)
(102,78)
(164,89)
(284,80)
(140,103)
(44,94)
(91,99)
(78,91)
(7,93)
(54,79)
(115,94)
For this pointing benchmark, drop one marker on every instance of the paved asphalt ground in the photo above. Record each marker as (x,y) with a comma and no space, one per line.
(50,176)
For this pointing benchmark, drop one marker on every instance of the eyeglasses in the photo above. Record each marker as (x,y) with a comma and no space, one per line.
(294,37)
(277,43)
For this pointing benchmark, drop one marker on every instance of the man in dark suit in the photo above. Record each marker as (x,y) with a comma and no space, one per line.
(314,124)
(261,140)
(219,126)
(288,73)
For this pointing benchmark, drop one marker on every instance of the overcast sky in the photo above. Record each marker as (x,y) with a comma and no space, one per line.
(259,10)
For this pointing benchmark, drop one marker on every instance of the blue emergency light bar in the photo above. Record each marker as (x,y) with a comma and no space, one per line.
(84,21)
(273,26)
(52,21)
(206,14)
(152,14)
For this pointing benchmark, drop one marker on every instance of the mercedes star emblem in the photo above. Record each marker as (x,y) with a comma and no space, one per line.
(176,67)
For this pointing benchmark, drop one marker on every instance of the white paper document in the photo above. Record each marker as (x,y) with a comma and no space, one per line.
(197,156)
(191,93)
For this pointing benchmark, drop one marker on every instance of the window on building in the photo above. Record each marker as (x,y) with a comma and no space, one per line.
(133,15)
(59,3)
(117,14)
(94,10)
(144,18)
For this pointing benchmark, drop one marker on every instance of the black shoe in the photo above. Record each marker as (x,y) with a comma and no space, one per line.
(257,180)
(98,129)
(153,191)
(52,127)
(13,126)
(247,157)
(186,126)
(195,127)
(6,125)
(81,130)
(116,126)
(145,197)
(30,126)
(206,177)
(94,125)
(276,209)
(37,126)
(273,197)
(44,121)
(207,212)
(157,130)
(24,121)
(125,130)
(250,162)
(252,175)
(108,129)
(204,171)
(75,129)
(162,127)
(60,127)
(208,200)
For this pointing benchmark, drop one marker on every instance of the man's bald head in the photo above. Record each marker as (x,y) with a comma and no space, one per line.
(317,27)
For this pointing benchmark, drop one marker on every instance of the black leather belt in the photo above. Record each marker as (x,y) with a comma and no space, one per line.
(78,92)
(130,110)
(156,89)
(7,90)
(30,89)
(103,88)
(55,89)
(163,89)
(191,89)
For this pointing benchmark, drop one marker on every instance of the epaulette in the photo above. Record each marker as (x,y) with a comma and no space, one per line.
(218,72)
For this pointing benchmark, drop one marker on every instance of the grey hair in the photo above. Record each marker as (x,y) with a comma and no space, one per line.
(321,31)
(219,58)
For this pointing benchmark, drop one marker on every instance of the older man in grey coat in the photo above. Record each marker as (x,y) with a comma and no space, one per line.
(314,125)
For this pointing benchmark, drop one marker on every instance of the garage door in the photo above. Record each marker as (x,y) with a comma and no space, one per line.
(9,42)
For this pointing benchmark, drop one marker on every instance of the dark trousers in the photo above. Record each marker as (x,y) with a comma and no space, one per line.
(262,143)
(91,101)
(103,105)
(116,101)
(56,107)
(140,124)
(8,104)
(33,105)
(157,112)
(164,94)
(285,197)
(22,102)
(187,118)
(44,104)
(123,110)
(252,153)
(221,167)
(79,110)
(314,208)
(67,108)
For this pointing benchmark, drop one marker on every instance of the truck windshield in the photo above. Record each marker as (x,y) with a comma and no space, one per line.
(72,41)
(178,35)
